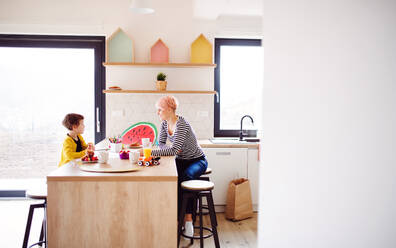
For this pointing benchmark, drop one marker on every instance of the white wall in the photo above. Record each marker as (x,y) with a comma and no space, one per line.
(173,21)
(328,174)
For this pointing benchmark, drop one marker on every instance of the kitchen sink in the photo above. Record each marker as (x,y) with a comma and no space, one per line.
(233,140)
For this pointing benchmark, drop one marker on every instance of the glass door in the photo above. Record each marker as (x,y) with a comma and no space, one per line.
(40,85)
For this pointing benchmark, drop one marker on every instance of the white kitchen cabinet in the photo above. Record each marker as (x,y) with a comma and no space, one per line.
(253,175)
(226,164)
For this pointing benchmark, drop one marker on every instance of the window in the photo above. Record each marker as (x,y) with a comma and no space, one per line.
(43,79)
(238,80)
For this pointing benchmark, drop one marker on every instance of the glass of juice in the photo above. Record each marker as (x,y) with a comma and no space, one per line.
(147,150)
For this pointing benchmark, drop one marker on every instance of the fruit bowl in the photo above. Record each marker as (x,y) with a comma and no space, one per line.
(124,154)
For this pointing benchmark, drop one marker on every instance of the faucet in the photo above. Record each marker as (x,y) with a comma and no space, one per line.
(241,135)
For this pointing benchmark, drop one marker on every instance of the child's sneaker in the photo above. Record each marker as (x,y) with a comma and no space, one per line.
(188,229)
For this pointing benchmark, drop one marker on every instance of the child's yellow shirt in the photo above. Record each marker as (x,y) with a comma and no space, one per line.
(69,150)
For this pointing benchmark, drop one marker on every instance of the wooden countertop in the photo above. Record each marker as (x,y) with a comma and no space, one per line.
(166,171)
(207,144)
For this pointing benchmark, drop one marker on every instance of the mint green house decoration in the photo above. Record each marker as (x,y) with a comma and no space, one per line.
(119,48)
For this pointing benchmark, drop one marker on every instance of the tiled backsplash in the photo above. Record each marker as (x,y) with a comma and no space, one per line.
(123,110)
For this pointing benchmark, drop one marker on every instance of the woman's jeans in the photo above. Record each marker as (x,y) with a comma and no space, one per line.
(188,170)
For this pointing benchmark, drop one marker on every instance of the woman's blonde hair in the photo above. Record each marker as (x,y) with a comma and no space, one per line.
(167,102)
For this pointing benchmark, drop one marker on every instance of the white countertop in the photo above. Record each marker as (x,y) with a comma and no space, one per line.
(208,144)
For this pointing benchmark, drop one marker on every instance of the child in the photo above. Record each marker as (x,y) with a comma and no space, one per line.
(74,145)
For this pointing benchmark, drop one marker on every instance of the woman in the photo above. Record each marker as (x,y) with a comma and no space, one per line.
(190,159)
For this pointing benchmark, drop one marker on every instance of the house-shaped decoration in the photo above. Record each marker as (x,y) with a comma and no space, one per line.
(159,52)
(119,48)
(201,51)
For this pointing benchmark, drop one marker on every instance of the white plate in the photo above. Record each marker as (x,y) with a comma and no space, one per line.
(89,162)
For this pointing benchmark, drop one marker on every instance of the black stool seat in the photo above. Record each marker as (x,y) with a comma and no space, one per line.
(208,171)
(36,194)
(196,190)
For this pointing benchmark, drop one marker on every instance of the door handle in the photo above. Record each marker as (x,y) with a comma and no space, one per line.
(97,120)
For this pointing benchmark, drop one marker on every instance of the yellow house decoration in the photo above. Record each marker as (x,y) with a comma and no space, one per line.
(201,51)
(119,48)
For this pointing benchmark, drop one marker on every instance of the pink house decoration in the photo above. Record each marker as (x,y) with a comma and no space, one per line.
(159,52)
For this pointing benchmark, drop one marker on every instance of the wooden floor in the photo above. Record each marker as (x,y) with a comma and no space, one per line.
(231,234)
(13,215)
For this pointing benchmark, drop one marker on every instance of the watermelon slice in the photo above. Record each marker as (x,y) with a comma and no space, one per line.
(136,132)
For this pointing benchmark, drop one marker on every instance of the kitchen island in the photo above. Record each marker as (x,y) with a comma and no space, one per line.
(130,209)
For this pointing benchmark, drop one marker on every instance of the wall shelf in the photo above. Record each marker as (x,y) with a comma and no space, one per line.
(192,65)
(210,92)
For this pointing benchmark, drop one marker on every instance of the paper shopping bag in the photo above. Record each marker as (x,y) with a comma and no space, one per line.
(239,200)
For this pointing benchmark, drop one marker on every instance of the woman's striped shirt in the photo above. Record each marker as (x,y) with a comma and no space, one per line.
(184,143)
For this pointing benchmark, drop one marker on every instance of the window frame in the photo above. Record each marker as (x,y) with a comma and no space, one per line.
(62,41)
(227,42)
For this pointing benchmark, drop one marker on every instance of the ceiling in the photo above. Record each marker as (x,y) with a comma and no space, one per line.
(212,9)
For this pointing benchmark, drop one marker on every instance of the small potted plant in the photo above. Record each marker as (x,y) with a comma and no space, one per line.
(161,83)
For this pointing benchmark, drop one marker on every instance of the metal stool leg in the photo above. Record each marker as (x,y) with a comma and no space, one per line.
(29,222)
(45,224)
(213,219)
(181,217)
(28,225)
(186,197)
(42,232)
(201,240)
(194,211)
(205,206)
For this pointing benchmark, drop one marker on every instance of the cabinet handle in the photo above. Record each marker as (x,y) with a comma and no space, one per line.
(223,153)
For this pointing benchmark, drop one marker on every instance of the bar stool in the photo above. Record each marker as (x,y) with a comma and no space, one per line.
(197,189)
(40,194)
(206,178)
